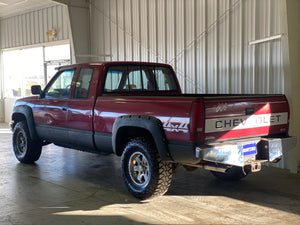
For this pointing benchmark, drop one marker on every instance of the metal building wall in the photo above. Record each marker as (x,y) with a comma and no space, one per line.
(206,41)
(31,28)
(1,86)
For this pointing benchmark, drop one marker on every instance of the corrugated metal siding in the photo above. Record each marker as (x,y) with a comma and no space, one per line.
(31,28)
(206,41)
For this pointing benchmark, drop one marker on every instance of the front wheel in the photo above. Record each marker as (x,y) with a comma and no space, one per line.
(144,173)
(26,150)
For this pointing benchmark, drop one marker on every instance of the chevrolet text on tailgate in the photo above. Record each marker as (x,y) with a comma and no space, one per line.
(137,111)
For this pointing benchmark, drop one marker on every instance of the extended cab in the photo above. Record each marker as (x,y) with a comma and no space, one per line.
(137,111)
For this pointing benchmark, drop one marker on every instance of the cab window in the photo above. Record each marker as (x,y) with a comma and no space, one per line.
(139,79)
(61,85)
(82,84)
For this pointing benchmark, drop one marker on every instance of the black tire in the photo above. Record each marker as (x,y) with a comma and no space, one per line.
(144,174)
(26,150)
(233,174)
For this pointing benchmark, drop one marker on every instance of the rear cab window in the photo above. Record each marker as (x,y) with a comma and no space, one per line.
(139,79)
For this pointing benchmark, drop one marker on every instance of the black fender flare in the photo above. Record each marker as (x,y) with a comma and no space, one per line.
(151,124)
(26,111)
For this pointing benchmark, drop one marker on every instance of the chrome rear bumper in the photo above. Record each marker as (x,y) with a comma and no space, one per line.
(247,152)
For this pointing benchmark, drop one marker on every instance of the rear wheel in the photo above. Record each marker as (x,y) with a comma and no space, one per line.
(144,173)
(26,150)
(233,174)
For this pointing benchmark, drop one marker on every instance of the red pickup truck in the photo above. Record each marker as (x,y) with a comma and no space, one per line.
(136,110)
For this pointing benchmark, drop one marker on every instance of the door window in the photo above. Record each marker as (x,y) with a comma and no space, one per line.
(61,86)
(83,83)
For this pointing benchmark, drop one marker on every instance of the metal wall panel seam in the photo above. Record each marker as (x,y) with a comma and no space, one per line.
(23,23)
(10,33)
(124,33)
(7,34)
(13,25)
(20,30)
(217,49)
(117,28)
(255,89)
(50,20)
(242,33)
(36,27)
(185,48)
(103,34)
(33,36)
(140,30)
(175,36)
(148,29)
(46,20)
(268,48)
(60,23)
(156,31)
(166,32)
(28,29)
(195,48)
(110,33)
(131,21)
(271,74)
(230,48)
(206,47)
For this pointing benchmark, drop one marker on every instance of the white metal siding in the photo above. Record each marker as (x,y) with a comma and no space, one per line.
(31,28)
(206,41)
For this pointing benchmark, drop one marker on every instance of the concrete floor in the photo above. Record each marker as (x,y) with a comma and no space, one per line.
(70,187)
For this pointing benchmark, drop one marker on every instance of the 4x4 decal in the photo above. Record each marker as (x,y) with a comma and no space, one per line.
(171,127)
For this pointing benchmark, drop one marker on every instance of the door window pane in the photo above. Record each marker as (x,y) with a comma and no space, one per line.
(61,86)
(83,83)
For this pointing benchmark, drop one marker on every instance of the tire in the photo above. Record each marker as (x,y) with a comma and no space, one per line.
(233,174)
(26,150)
(144,174)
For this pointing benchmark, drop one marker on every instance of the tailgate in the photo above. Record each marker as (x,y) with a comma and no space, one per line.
(246,116)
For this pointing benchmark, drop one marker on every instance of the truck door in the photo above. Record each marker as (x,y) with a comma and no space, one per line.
(81,108)
(51,118)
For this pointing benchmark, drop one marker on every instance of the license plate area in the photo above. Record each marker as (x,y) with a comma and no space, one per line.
(249,152)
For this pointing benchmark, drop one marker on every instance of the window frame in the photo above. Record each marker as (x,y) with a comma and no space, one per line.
(53,80)
(77,77)
(144,90)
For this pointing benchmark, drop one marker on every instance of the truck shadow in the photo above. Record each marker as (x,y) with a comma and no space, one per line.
(38,196)
(71,187)
(272,187)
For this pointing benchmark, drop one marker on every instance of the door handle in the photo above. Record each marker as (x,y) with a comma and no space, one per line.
(64,108)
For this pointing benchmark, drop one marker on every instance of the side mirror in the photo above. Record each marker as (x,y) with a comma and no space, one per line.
(36,89)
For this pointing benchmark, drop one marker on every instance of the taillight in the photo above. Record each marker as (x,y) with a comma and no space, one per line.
(197,121)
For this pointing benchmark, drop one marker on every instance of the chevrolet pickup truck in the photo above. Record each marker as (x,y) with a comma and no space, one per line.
(136,110)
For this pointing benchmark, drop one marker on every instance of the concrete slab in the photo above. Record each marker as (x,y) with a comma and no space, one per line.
(71,187)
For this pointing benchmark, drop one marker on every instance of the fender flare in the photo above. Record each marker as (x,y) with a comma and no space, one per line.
(151,124)
(26,111)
